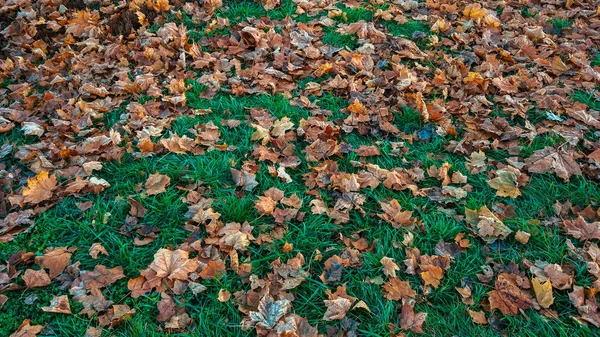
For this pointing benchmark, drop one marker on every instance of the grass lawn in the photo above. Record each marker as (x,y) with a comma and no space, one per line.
(316,236)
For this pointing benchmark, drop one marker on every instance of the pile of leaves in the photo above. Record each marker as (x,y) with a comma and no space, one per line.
(86,83)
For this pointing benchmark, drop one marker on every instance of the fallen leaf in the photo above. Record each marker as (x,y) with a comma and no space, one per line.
(173,265)
(27,330)
(582,230)
(543,292)
(507,296)
(478,317)
(269,312)
(97,249)
(505,184)
(409,320)
(389,267)
(394,215)
(36,278)
(224,295)
(58,304)
(157,183)
(55,260)
(522,237)
(336,309)
(39,188)
(396,289)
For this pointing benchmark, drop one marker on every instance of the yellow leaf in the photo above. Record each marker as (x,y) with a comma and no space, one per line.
(543,292)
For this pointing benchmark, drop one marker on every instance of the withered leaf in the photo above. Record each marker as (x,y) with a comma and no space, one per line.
(409,320)
(270,312)
(174,265)
(543,292)
(505,184)
(36,278)
(507,296)
(55,260)
(39,188)
(582,230)
(157,183)
(396,289)
(336,309)
(59,304)
(27,330)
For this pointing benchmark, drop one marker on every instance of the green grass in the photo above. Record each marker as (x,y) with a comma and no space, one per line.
(66,225)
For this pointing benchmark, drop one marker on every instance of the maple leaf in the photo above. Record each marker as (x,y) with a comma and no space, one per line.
(27,330)
(212,269)
(244,179)
(409,320)
(507,296)
(478,317)
(431,275)
(389,267)
(58,304)
(281,126)
(116,315)
(265,205)
(394,215)
(39,188)
(101,276)
(582,230)
(269,312)
(55,260)
(505,184)
(336,309)
(543,292)
(549,159)
(97,249)
(174,265)
(166,308)
(236,235)
(487,225)
(156,183)
(36,278)
(396,289)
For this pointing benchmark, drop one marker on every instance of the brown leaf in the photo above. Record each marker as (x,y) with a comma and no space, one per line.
(582,230)
(478,317)
(336,309)
(212,270)
(96,249)
(166,308)
(224,295)
(59,304)
(522,237)
(507,296)
(432,275)
(174,265)
(389,267)
(394,215)
(409,320)
(486,224)
(27,330)
(101,276)
(39,188)
(265,205)
(156,183)
(55,260)
(36,278)
(549,159)
(396,289)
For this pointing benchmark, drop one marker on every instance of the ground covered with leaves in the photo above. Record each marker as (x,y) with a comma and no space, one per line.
(299,168)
